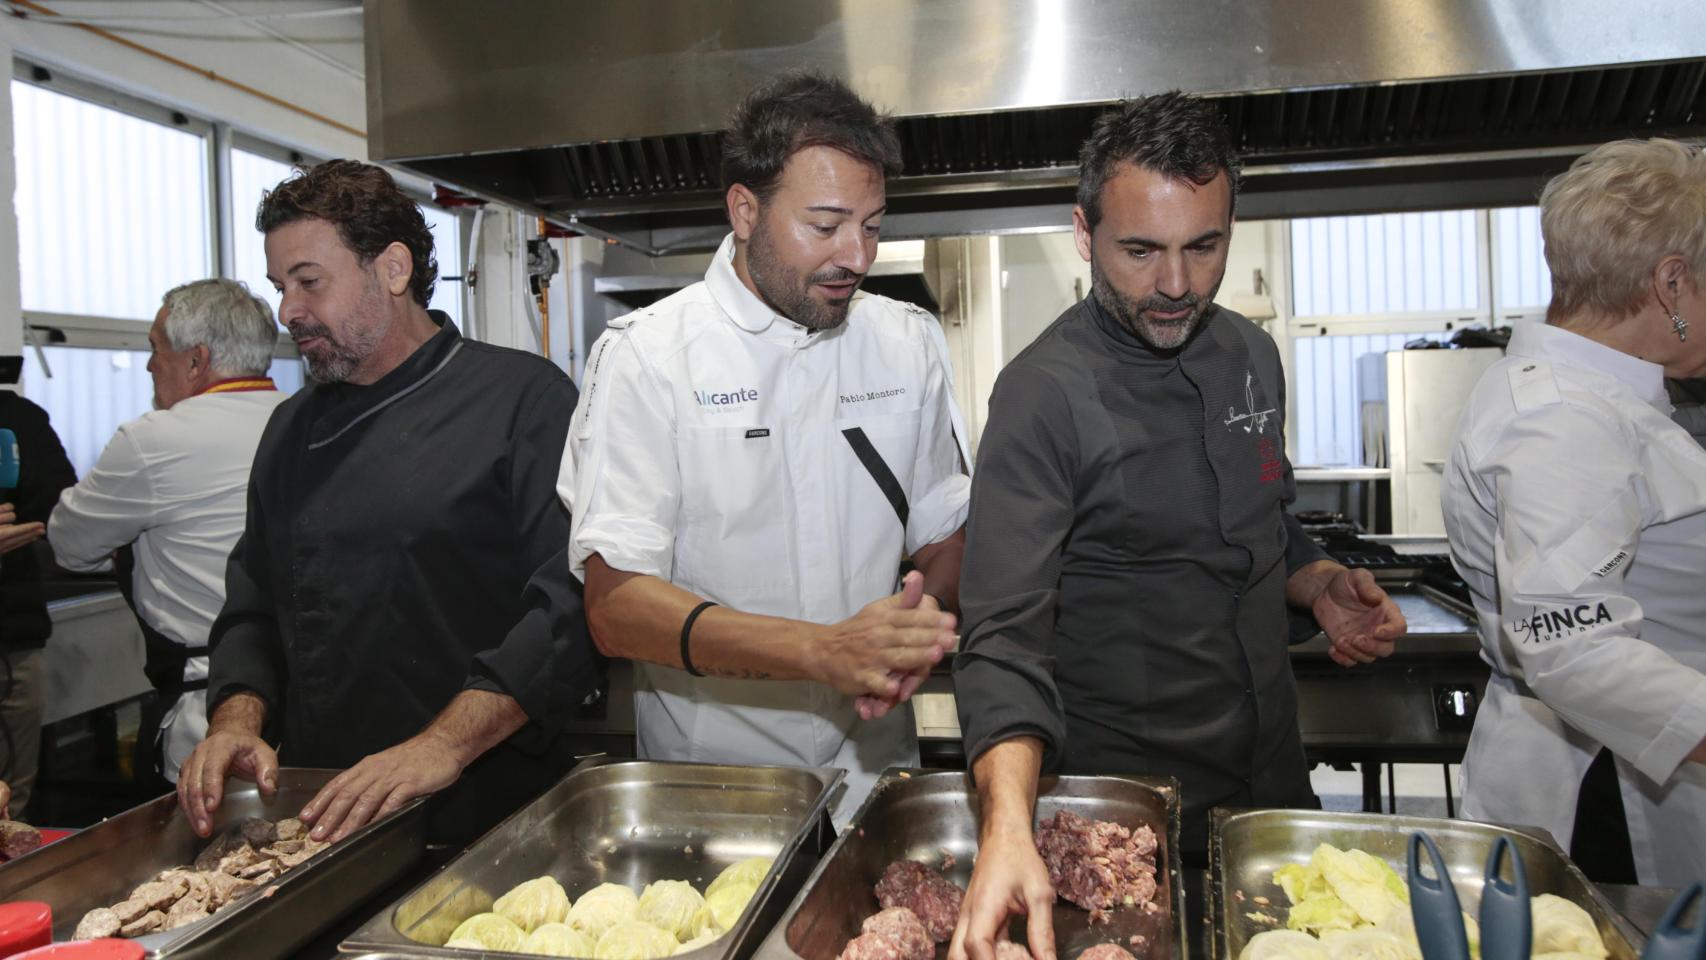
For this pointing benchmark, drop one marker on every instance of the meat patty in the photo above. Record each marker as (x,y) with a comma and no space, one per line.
(933,898)
(905,929)
(1096,864)
(147,923)
(97,923)
(17,839)
(1106,951)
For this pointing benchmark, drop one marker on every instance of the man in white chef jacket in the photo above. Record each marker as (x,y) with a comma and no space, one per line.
(173,485)
(754,456)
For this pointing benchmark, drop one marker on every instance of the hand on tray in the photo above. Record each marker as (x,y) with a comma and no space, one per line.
(1008,879)
(1360,620)
(201,780)
(380,785)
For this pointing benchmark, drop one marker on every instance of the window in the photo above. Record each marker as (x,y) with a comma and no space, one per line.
(252,175)
(112,208)
(1365,285)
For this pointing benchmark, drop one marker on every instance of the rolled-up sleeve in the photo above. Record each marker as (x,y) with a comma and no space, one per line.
(547,661)
(1022,508)
(941,490)
(106,510)
(1571,511)
(619,476)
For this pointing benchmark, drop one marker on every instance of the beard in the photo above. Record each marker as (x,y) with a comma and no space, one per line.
(788,293)
(334,359)
(1131,312)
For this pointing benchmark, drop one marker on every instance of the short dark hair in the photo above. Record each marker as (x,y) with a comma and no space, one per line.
(366,206)
(1175,135)
(797,110)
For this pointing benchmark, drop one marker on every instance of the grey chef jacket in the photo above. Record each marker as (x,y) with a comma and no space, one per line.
(1128,548)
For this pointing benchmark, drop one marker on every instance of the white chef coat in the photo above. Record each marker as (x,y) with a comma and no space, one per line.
(174,483)
(1577,514)
(708,450)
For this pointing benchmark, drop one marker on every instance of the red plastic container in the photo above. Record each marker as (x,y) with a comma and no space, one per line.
(24,925)
(87,950)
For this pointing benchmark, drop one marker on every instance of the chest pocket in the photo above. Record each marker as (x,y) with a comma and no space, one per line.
(885,449)
(734,538)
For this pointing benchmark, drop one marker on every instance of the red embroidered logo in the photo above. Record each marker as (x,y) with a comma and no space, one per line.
(1273,465)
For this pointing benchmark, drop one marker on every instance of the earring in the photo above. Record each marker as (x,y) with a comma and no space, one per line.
(1681,326)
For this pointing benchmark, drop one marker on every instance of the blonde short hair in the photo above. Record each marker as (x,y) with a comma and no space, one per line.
(1610,219)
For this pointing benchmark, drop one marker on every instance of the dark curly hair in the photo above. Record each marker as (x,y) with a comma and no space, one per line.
(797,110)
(1175,135)
(366,206)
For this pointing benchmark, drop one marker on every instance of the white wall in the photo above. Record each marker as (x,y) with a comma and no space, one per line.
(11,309)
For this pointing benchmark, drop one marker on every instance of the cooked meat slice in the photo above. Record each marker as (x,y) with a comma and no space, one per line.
(224,888)
(161,893)
(902,926)
(1008,950)
(185,912)
(259,868)
(929,895)
(17,839)
(235,861)
(147,923)
(128,911)
(258,832)
(1106,951)
(1097,864)
(282,848)
(290,860)
(199,888)
(222,846)
(96,924)
(291,829)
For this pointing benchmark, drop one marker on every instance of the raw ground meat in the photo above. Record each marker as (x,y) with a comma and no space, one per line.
(933,898)
(17,839)
(904,938)
(1106,951)
(1098,865)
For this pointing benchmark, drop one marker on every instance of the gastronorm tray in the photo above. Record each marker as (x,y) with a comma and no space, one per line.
(99,866)
(631,822)
(1246,847)
(933,817)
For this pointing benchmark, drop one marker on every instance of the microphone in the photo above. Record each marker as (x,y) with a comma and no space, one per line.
(8,460)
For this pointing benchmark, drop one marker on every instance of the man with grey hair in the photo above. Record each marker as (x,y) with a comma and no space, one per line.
(169,493)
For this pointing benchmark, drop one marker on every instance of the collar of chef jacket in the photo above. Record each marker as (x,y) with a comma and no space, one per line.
(1543,341)
(742,306)
(350,404)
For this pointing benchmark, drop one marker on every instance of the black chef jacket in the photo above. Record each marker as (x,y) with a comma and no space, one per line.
(44,472)
(1127,553)
(405,542)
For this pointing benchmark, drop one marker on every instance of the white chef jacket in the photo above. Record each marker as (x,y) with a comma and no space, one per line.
(708,450)
(1577,515)
(175,483)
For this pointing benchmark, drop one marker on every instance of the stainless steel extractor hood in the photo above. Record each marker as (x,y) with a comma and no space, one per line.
(606,114)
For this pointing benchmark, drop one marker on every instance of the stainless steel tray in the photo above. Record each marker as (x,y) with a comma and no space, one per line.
(627,821)
(99,866)
(1246,847)
(920,816)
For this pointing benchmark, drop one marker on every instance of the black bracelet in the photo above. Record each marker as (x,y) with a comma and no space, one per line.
(687,633)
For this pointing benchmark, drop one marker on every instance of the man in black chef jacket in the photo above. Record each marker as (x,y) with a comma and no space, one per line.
(1130,556)
(399,603)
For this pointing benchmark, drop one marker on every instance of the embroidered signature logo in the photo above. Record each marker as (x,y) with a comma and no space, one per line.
(1252,419)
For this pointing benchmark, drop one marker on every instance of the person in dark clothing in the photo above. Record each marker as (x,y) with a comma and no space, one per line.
(399,603)
(43,471)
(1130,555)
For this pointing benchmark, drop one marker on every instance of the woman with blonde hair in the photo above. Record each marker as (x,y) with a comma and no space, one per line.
(1577,514)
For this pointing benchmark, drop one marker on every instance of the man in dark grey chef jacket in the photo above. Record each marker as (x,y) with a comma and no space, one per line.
(1130,555)
(399,603)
